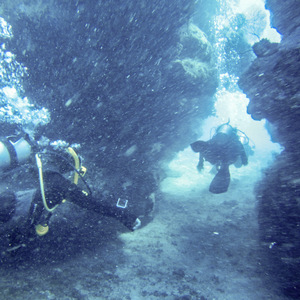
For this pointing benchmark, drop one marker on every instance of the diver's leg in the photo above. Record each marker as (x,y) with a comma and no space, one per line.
(7,206)
(221,181)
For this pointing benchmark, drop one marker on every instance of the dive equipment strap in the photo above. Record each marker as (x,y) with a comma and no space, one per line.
(80,169)
(12,153)
(122,203)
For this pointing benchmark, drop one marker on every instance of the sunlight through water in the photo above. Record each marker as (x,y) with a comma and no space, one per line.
(230,104)
(15,108)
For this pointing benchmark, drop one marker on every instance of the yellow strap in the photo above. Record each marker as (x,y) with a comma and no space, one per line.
(39,165)
(77,164)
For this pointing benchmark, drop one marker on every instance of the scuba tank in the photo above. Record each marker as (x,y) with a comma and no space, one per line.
(13,154)
(226,129)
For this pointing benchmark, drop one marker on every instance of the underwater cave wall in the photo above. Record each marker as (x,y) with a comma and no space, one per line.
(272,83)
(116,76)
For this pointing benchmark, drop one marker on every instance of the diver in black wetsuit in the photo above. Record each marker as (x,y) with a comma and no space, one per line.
(222,150)
(26,214)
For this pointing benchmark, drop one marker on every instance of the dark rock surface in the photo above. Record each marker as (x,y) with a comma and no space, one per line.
(272,84)
(116,77)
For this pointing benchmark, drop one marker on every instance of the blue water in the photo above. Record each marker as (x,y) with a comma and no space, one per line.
(132,86)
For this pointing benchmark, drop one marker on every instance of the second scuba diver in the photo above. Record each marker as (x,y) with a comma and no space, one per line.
(222,150)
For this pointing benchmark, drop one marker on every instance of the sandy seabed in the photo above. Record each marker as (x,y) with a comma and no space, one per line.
(201,247)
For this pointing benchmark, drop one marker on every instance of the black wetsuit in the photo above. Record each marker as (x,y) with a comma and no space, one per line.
(22,211)
(58,188)
(222,150)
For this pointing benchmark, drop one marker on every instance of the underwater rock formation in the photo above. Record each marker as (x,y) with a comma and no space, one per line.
(272,84)
(106,72)
(195,58)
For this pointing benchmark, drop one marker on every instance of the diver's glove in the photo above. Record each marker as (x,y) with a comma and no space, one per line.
(128,220)
(136,224)
(200,167)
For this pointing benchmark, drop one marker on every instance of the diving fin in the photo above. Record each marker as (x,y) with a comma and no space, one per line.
(221,181)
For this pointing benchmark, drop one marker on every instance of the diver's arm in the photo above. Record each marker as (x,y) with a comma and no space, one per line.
(200,163)
(59,188)
(106,207)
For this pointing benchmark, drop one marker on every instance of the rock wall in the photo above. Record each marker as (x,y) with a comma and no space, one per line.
(116,77)
(272,84)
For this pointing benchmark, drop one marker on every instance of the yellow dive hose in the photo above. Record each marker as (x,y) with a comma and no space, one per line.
(78,167)
(80,171)
(39,165)
(77,163)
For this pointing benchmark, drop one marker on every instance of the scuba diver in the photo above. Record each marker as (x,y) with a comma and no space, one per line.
(25,214)
(222,150)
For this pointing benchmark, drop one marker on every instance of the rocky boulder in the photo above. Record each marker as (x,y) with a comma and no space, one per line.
(272,84)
